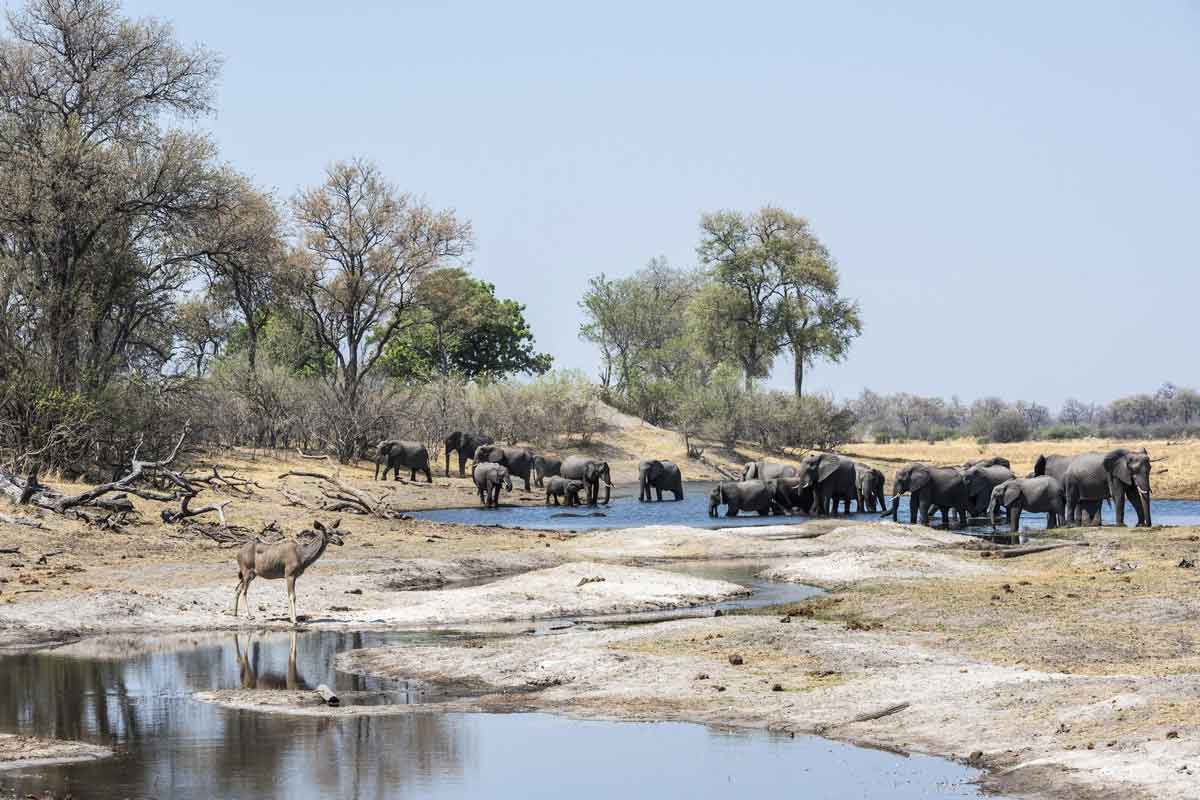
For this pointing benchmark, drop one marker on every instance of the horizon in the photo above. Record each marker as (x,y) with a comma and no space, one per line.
(969,147)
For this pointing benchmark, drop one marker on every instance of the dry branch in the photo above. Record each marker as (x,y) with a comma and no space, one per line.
(1017,552)
(339,496)
(30,523)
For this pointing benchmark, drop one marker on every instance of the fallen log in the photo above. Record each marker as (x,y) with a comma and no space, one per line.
(8,551)
(328,696)
(1017,552)
(29,523)
(867,717)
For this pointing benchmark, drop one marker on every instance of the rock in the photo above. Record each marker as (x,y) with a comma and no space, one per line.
(786,619)
(701,676)
(718,613)
(777,687)
(1187,563)
(975,759)
(736,660)
(593,579)
(1172,734)
(354,591)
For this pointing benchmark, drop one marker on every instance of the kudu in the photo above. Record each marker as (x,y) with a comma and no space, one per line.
(283,560)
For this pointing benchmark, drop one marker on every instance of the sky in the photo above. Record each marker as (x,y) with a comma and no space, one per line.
(1011,190)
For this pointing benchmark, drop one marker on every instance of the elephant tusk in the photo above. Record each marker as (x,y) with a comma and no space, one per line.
(1144,491)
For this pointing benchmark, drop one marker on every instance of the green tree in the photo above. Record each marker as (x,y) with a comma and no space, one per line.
(459,327)
(779,292)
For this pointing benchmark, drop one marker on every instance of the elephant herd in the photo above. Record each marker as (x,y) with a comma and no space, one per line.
(1069,489)
(564,480)
(820,485)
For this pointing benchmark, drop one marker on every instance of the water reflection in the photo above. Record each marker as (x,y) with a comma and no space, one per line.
(136,696)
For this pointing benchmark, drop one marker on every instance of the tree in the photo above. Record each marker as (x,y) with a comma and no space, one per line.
(461,328)
(1075,412)
(241,252)
(364,249)
(782,291)
(96,197)
(203,328)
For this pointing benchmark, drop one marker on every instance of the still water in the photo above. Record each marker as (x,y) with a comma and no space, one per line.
(169,745)
(627,512)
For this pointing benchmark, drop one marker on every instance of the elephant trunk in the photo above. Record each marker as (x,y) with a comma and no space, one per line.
(1142,484)
(894,510)
(992,512)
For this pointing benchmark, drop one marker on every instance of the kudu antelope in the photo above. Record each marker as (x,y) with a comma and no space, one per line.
(283,560)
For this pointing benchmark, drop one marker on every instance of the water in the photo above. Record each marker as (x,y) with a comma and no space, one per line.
(627,512)
(170,745)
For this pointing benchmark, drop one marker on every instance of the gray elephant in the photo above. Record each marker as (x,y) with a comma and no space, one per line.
(993,461)
(489,477)
(465,444)
(752,495)
(519,460)
(868,485)
(659,476)
(832,480)
(765,471)
(565,489)
(1118,475)
(544,467)
(930,487)
(1053,464)
(394,454)
(792,494)
(591,471)
(981,477)
(1039,494)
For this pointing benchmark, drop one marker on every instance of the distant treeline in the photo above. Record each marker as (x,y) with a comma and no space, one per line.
(1169,412)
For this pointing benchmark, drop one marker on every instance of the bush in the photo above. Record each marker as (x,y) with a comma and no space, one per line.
(1009,426)
(1060,432)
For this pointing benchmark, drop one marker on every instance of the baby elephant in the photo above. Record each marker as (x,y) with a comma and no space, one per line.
(489,478)
(566,489)
(1040,494)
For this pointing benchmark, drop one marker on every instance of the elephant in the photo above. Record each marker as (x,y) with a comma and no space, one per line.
(659,475)
(544,467)
(394,454)
(1038,494)
(738,496)
(489,477)
(868,484)
(763,471)
(464,444)
(981,477)
(792,495)
(565,488)
(1118,475)
(832,480)
(1055,465)
(591,472)
(519,460)
(930,487)
(994,461)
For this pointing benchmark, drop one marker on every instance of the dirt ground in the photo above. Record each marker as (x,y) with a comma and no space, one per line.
(1068,673)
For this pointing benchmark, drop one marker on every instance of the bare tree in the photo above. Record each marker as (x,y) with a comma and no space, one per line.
(364,246)
(94,194)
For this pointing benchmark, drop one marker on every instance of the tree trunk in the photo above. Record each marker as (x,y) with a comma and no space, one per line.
(798,372)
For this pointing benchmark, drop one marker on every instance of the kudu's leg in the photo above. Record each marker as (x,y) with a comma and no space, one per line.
(291,589)
(246,594)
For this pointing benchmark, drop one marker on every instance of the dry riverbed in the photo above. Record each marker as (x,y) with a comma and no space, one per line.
(22,752)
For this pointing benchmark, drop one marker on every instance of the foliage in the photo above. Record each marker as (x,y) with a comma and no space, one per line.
(460,327)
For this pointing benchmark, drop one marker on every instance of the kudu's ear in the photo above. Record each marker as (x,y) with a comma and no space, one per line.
(337,523)
(318,526)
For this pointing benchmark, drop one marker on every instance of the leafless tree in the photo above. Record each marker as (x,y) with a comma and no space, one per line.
(363,248)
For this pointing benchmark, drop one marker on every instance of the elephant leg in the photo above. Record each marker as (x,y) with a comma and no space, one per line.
(1014,517)
(731,510)
(1117,490)
(1071,505)
(462,464)
(923,510)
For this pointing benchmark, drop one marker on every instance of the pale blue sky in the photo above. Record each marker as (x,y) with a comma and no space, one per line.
(1012,190)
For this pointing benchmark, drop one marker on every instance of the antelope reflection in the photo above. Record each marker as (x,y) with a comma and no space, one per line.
(252,678)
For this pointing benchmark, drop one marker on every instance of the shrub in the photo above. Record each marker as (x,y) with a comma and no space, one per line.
(1060,432)
(1009,426)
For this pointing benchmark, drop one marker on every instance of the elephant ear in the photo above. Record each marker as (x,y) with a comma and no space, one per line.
(1115,464)
(919,477)
(1039,466)
(1012,492)
(827,466)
